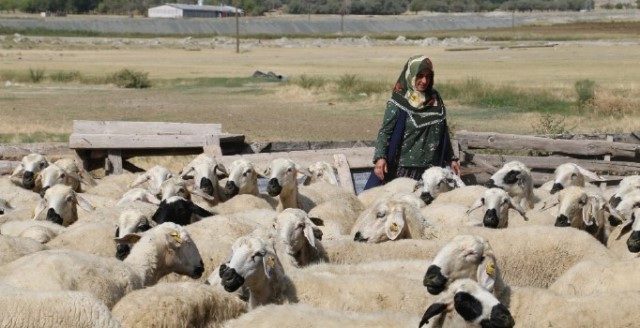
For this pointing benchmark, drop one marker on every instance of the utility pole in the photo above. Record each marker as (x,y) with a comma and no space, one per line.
(237,28)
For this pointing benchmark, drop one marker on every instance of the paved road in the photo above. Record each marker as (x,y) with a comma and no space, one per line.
(314,24)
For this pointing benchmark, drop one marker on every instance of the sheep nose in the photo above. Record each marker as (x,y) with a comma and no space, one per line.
(231,280)
(426,198)
(122,251)
(274,188)
(206,186)
(230,189)
(490,184)
(434,280)
(490,219)
(54,217)
(556,187)
(198,271)
(358,237)
(27,180)
(633,243)
(500,317)
(615,201)
(562,221)
(614,221)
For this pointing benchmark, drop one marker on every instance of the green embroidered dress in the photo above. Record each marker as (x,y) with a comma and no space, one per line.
(426,123)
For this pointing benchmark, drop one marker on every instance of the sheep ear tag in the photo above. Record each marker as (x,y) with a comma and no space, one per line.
(490,269)
(269,265)
(486,274)
(176,236)
(394,227)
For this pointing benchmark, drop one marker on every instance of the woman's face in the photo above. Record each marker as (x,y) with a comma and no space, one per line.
(422,80)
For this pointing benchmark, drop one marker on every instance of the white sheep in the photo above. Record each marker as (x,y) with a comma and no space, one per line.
(597,277)
(626,185)
(496,203)
(244,202)
(182,304)
(321,171)
(59,205)
(204,170)
(397,185)
(5,207)
(40,231)
(138,194)
(464,196)
(297,239)
(303,315)
(467,304)
(153,178)
(628,202)
(436,180)
(243,180)
(629,247)
(571,174)
(25,173)
(394,218)
(12,248)
(515,178)
(52,309)
(132,220)
(65,171)
(89,237)
(338,215)
(161,250)
(112,186)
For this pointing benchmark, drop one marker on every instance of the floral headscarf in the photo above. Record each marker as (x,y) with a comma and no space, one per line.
(424,108)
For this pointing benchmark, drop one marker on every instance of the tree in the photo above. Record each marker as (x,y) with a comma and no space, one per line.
(418,5)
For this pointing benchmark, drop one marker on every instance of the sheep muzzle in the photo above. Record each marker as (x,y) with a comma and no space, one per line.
(434,280)
(633,243)
(490,184)
(562,221)
(490,219)
(28,180)
(500,318)
(274,188)
(206,186)
(360,238)
(122,251)
(231,280)
(230,189)
(426,198)
(54,217)
(556,187)
(198,271)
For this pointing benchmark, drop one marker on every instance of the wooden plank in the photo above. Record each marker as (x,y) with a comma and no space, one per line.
(551,162)
(357,158)
(51,150)
(212,146)
(7,167)
(528,143)
(344,173)
(114,162)
(124,141)
(151,128)
(607,158)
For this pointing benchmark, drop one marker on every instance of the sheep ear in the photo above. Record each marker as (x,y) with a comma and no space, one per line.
(589,174)
(459,181)
(222,169)
(306,181)
(433,310)
(419,185)
(265,174)
(308,233)
(269,263)
(394,226)
(317,221)
(42,205)
(17,171)
(200,193)
(551,202)
(37,183)
(140,180)
(476,204)
(185,175)
(626,227)
(589,212)
(487,272)
(84,203)
(130,238)
(518,208)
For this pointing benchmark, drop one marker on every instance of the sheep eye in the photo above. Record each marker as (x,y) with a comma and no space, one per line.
(42,164)
(380,215)
(181,190)
(301,225)
(144,227)
(257,254)
(69,198)
(62,175)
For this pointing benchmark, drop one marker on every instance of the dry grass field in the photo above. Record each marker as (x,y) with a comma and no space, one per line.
(286,111)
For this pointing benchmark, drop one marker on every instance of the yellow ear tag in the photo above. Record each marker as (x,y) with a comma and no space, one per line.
(271,262)
(176,236)
(490,268)
(394,227)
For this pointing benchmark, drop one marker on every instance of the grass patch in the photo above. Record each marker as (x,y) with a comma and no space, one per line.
(65,76)
(474,92)
(33,137)
(131,79)
(207,82)
(310,82)
(36,75)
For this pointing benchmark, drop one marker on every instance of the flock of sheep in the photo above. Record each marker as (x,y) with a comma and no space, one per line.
(205,247)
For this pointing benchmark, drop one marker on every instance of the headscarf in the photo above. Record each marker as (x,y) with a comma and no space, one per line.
(424,108)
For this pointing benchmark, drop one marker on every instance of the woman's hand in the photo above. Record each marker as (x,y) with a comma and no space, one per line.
(455,166)
(381,168)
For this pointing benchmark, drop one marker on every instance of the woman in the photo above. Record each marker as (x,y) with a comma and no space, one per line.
(414,132)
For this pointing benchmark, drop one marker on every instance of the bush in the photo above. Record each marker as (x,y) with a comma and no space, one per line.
(127,78)
(307,82)
(65,76)
(36,75)
(548,124)
(586,91)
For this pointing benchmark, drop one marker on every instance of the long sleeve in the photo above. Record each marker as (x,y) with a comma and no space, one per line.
(384,135)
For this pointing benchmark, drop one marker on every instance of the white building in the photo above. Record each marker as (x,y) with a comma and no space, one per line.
(178,10)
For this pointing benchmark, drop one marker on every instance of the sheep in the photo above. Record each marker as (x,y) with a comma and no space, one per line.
(515,178)
(393,218)
(253,265)
(153,177)
(12,248)
(597,277)
(626,185)
(40,231)
(474,307)
(59,205)
(88,237)
(436,180)
(630,247)
(339,216)
(161,250)
(628,202)
(464,196)
(303,315)
(244,202)
(24,174)
(203,169)
(131,221)
(571,174)
(397,185)
(243,180)
(138,194)
(65,171)
(25,308)
(5,207)
(179,210)
(497,203)
(297,239)
(578,209)
(321,171)
(179,304)
(112,186)
(536,307)
(465,256)
(282,174)
(174,186)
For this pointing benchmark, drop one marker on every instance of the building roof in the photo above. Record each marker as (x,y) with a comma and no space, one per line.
(224,9)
